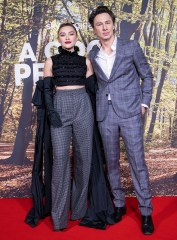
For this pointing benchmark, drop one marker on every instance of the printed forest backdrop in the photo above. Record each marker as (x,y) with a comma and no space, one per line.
(28,27)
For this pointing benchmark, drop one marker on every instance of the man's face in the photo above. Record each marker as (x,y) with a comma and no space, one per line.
(103,26)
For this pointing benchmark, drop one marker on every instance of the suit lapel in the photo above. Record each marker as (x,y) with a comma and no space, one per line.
(100,71)
(97,66)
(117,60)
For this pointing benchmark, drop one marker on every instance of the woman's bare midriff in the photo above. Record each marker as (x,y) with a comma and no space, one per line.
(69,87)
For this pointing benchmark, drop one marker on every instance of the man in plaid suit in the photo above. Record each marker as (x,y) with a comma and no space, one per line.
(121,102)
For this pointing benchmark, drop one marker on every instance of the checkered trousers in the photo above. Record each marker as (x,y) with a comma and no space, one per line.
(131,130)
(76,113)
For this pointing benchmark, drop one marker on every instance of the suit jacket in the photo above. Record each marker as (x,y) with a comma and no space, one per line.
(124,85)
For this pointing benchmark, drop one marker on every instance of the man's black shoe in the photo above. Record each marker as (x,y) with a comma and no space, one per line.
(147,226)
(119,212)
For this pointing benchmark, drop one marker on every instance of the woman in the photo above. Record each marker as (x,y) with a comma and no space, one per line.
(71,116)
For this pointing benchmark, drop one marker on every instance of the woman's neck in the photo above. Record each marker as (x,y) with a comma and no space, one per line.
(69,49)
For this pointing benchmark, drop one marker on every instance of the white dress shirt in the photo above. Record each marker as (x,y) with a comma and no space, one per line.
(106,62)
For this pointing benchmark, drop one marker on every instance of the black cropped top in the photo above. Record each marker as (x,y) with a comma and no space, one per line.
(68,68)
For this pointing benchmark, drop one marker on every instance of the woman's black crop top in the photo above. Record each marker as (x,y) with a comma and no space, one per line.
(68,68)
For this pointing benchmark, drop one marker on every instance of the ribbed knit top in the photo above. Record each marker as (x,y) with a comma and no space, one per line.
(68,68)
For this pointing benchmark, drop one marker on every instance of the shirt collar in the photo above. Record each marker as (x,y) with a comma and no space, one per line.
(113,46)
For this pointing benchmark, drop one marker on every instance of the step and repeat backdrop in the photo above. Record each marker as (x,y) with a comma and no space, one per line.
(28,35)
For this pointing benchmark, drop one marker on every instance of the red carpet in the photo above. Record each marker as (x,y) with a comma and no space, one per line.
(13,212)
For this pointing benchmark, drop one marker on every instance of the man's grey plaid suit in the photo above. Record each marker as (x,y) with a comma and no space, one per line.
(123,117)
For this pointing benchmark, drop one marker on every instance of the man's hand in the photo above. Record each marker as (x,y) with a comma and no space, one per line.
(143,110)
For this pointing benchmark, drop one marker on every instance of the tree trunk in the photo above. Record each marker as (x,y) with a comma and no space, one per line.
(3,98)
(163,76)
(127,28)
(174,129)
(3,16)
(24,133)
(155,109)
(170,127)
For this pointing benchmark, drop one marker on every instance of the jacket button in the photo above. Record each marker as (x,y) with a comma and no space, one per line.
(106,95)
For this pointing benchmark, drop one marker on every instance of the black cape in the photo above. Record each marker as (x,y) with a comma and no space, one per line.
(100,211)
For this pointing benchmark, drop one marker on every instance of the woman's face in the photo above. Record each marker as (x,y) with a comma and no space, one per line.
(67,37)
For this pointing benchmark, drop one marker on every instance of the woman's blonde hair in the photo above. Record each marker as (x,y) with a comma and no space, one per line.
(67,24)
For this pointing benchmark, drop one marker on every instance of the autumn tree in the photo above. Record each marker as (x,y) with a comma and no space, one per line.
(36,16)
(160,38)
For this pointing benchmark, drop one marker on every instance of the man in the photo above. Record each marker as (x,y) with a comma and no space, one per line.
(121,102)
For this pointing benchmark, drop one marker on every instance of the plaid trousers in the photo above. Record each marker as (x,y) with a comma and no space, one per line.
(131,130)
(75,110)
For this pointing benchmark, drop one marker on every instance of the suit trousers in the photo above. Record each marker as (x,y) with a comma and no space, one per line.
(132,130)
(75,110)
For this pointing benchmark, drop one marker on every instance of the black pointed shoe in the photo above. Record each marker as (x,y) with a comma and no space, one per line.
(119,212)
(58,229)
(147,226)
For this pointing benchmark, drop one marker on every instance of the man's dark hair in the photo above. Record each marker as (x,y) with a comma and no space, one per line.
(99,10)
